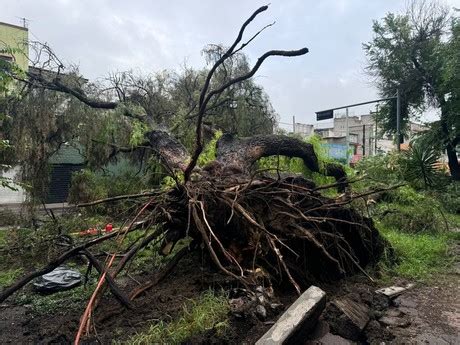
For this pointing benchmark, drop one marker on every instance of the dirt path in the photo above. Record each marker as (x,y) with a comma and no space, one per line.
(433,310)
(428,314)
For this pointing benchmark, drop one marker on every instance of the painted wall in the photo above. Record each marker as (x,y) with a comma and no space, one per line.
(8,196)
(15,37)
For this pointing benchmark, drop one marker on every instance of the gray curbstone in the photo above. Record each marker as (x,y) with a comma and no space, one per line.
(298,320)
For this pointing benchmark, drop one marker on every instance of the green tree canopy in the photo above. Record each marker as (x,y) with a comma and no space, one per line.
(418,52)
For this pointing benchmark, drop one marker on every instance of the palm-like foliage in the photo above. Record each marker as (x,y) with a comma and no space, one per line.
(419,163)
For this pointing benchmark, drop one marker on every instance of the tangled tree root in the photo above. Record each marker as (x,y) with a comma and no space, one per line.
(273,228)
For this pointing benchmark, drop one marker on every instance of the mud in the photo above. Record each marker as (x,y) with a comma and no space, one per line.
(428,314)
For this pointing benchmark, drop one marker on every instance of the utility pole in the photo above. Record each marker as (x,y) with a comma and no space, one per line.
(370,141)
(398,119)
(347,133)
(293,124)
(364,140)
(376,129)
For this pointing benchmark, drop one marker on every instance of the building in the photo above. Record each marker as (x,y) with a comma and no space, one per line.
(14,48)
(14,44)
(303,129)
(364,134)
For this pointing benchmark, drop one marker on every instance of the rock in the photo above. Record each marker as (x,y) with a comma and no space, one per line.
(377,314)
(380,302)
(376,334)
(236,303)
(260,289)
(394,321)
(261,299)
(347,318)
(329,339)
(393,313)
(366,297)
(298,320)
(261,312)
(275,306)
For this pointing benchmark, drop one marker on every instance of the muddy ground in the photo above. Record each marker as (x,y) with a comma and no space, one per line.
(426,314)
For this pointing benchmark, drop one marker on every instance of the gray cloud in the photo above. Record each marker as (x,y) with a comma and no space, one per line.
(103,36)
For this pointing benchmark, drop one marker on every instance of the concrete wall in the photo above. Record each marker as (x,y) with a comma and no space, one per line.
(15,37)
(8,196)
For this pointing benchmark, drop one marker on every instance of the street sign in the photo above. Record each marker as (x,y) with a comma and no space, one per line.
(324,115)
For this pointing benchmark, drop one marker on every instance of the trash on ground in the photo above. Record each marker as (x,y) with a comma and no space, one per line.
(61,278)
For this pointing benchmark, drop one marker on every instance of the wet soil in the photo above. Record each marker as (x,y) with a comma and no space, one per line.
(19,325)
(425,314)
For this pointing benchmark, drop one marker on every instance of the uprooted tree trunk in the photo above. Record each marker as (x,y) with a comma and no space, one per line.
(253,223)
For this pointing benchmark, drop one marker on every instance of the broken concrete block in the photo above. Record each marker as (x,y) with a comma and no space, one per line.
(347,318)
(298,320)
(394,291)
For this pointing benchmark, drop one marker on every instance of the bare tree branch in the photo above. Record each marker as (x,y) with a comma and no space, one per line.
(253,37)
(205,97)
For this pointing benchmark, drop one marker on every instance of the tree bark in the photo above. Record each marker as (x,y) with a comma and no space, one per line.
(242,153)
(454,167)
(452,159)
(171,152)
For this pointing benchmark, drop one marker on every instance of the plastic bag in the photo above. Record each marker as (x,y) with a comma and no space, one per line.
(61,278)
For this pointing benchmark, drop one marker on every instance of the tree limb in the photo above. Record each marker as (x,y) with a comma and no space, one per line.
(56,262)
(205,97)
(120,296)
(56,85)
(242,153)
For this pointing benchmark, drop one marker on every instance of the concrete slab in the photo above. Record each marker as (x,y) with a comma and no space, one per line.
(298,320)
(394,291)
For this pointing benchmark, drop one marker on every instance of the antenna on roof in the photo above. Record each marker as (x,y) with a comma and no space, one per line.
(24,22)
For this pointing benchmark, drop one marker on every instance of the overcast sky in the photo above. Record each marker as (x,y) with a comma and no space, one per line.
(103,36)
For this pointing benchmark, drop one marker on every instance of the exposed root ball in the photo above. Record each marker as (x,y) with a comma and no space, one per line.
(277,229)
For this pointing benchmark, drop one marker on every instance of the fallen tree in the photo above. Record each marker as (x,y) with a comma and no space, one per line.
(254,224)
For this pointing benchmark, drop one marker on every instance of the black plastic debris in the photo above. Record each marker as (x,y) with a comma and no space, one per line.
(61,278)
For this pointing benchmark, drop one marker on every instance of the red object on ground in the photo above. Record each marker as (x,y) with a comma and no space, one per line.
(108,227)
(91,231)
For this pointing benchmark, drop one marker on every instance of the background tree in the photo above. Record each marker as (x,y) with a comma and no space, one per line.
(417,52)
(49,111)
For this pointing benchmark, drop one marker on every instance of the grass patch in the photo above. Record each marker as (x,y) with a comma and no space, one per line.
(64,300)
(7,277)
(209,312)
(420,256)
(418,218)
